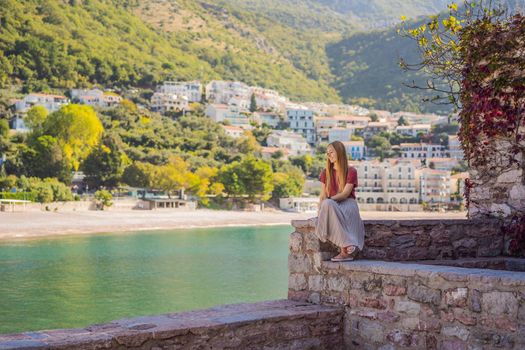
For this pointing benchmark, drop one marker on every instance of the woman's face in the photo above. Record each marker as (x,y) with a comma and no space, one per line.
(330,153)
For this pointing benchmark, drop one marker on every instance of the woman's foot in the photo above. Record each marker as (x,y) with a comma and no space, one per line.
(347,254)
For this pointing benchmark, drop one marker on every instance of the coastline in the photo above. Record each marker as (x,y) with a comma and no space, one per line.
(33,225)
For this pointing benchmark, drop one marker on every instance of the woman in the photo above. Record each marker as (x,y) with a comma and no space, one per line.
(339,220)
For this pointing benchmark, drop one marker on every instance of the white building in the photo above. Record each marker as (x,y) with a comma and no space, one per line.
(95,97)
(268,118)
(167,102)
(294,143)
(355,149)
(442,163)
(218,91)
(299,204)
(17,124)
(302,121)
(389,185)
(435,185)
(50,102)
(232,114)
(413,130)
(192,90)
(233,131)
(422,150)
(339,134)
(324,109)
(454,147)
(374,128)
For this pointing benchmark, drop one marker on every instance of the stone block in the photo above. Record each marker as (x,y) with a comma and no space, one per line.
(299,263)
(429,325)
(314,298)
(388,316)
(408,307)
(500,303)
(411,323)
(456,331)
(394,290)
(337,283)
(372,331)
(374,303)
(424,294)
(468,243)
(296,241)
(402,242)
(475,300)
(456,297)
(400,338)
(453,345)
(463,317)
(297,282)
(316,283)
(503,323)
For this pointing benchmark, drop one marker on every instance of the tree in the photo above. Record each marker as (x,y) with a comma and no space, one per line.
(105,165)
(379,145)
(77,129)
(304,162)
(104,199)
(374,117)
(402,121)
(4,129)
(138,174)
(35,119)
(287,184)
(247,144)
(251,177)
(43,157)
(253,103)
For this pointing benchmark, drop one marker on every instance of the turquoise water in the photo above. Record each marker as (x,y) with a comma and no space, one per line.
(77,281)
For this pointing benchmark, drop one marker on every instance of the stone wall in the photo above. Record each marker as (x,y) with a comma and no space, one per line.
(280,324)
(398,305)
(402,240)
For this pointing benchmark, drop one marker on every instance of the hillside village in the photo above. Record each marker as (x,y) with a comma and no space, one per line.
(405,161)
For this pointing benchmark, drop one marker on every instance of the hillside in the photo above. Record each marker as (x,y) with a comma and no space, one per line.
(111,45)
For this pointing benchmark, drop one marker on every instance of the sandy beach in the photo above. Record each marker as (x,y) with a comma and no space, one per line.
(23,225)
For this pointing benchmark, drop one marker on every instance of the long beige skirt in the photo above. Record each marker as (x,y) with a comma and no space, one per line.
(340,223)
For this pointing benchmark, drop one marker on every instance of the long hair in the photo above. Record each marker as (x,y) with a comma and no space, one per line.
(342,162)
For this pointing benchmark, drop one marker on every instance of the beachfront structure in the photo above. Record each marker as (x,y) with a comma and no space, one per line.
(95,97)
(413,130)
(422,150)
(233,131)
(302,121)
(435,185)
(294,143)
(446,163)
(374,128)
(221,92)
(167,102)
(454,147)
(299,204)
(192,90)
(50,102)
(355,149)
(224,113)
(389,185)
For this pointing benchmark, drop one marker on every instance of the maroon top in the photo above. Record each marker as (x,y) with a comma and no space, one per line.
(351,178)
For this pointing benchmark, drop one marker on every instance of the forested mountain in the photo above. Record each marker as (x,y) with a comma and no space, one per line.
(306,49)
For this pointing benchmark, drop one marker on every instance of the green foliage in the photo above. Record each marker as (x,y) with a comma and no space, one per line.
(77,130)
(379,146)
(35,119)
(250,177)
(253,103)
(105,165)
(25,196)
(35,189)
(104,199)
(4,129)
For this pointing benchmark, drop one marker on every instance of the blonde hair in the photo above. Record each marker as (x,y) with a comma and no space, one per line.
(342,162)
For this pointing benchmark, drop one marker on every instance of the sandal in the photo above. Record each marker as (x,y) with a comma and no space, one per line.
(353,253)
(344,256)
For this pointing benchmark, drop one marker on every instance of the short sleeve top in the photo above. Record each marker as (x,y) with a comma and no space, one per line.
(351,178)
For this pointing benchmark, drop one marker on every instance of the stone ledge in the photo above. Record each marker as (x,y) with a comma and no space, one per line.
(407,222)
(228,325)
(422,270)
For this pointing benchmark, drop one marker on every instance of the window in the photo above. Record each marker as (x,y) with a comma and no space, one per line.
(399,176)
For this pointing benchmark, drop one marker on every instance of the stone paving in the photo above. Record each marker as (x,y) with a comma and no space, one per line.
(280,324)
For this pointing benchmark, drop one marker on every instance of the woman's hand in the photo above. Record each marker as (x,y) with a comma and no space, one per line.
(341,196)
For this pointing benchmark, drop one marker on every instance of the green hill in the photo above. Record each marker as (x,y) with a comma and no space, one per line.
(306,49)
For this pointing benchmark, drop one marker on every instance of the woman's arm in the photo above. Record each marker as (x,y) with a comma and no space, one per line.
(344,194)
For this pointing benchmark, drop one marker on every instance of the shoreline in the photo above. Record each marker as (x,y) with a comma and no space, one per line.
(34,225)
